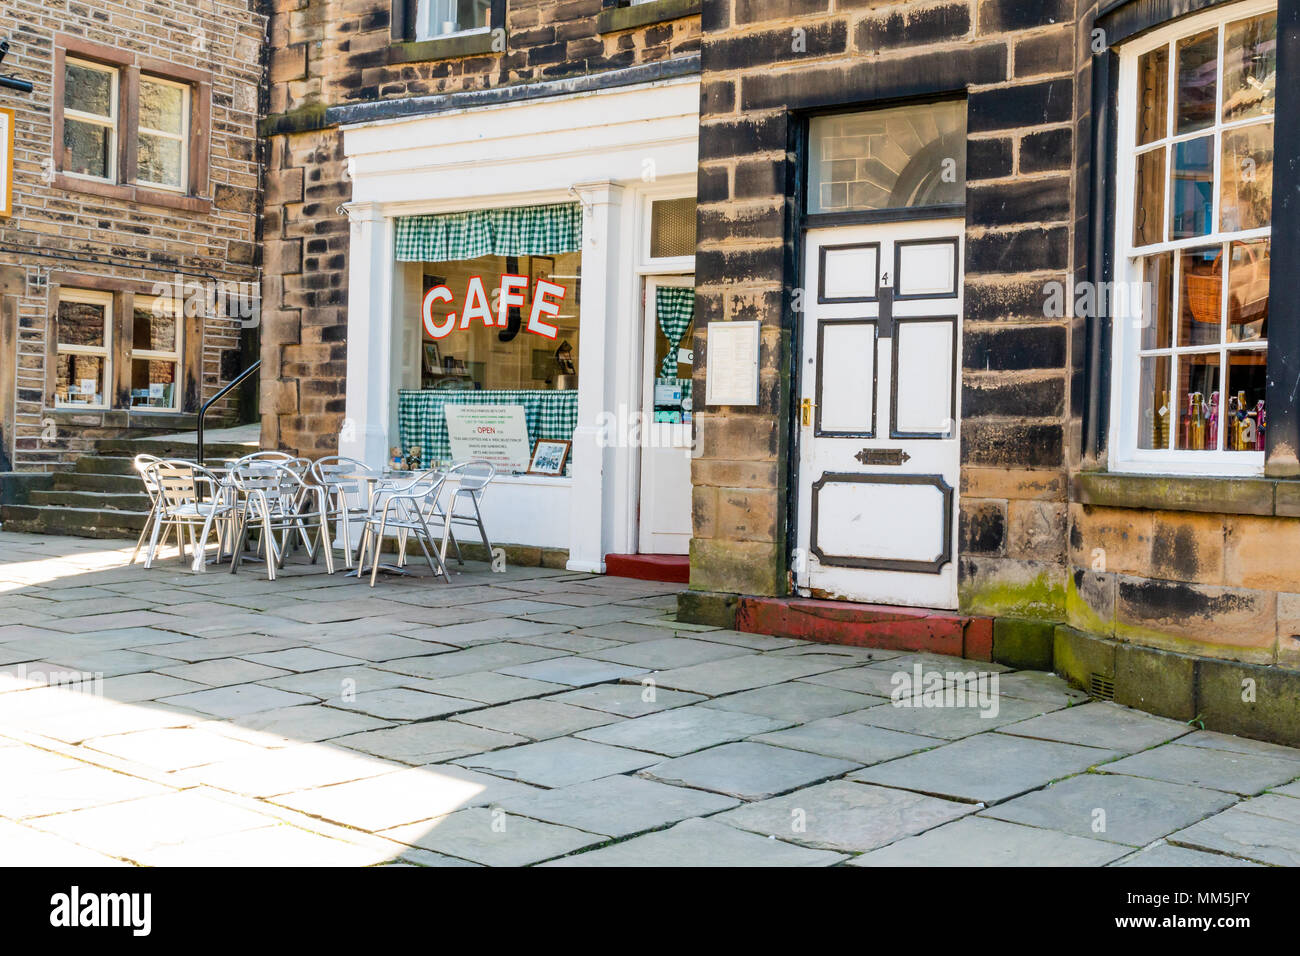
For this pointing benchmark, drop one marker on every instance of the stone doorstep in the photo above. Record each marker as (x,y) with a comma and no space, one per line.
(868,625)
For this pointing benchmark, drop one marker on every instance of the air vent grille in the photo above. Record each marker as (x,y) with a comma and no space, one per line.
(1102,688)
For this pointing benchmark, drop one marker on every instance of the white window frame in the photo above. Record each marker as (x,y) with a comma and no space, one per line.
(183,137)
(88,297)
(95,119)
(664,264)
(1125,399)
(425,12)
(155,356)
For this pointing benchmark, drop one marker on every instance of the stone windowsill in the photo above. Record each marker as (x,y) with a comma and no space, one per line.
(614,19)
(140,195)
(1213,495)
(441,48)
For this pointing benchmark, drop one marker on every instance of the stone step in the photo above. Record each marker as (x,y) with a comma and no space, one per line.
(89,500)
(174,448)
(104,465)
(104,484)
(79,522)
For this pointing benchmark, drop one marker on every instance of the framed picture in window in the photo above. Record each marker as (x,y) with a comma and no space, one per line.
(432,358)
(549,457)
(540,269)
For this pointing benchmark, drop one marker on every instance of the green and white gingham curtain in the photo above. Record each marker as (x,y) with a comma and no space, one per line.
(675,307)
(517,231)
(422,419)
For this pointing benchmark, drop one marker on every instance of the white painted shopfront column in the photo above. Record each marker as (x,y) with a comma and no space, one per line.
(602,204)
(370,341)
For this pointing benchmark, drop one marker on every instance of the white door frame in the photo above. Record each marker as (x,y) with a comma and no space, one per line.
(889,470)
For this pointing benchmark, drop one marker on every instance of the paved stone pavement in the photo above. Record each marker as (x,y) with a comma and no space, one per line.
(544,717)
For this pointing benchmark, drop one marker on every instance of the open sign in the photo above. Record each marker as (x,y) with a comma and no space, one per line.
(546,299)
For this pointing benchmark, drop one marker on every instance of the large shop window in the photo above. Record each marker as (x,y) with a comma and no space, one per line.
(1190,304)
(85,323)
(500,319)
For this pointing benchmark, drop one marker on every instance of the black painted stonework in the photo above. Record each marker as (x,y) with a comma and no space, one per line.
(896,30)
(1003,15)
(1015,106)
(983,528)
(1048,150)
(1032,398)
(1014,348)
(1031,201)
(1028,250)
(988,159)
(1012,444)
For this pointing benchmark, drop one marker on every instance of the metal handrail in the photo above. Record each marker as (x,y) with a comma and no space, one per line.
(233,384)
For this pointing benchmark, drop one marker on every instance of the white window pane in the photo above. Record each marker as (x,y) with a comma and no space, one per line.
(162,107)
(88,90)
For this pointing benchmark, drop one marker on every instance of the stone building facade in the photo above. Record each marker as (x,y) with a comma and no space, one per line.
(130,258)
(1095,529)
(330,60)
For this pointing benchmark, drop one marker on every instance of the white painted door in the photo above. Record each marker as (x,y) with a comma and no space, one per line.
(665,505)
(879,437)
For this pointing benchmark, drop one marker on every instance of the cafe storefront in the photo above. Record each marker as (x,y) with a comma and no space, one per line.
(521,289)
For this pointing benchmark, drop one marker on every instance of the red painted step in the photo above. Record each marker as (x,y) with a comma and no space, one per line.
(672,568)
(868,625)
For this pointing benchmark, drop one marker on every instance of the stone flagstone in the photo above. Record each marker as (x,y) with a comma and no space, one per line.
(845,816)
(617,806)
(700,843)
(1128,810)
(681,731)
(849,739)
(1245,774)
(494,838)
(536,719)
(402,797)
(986,768)
(979,841)
(627,700)
(1102,724)
(749,771)
(560,762)
(430,741)
(795,701)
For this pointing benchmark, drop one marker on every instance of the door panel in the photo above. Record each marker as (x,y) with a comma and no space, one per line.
(879,442)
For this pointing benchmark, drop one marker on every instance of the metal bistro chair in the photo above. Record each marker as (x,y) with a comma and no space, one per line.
(141,465)
(180,506)
(474,477)
(405,509)
(275,498)
(343,496)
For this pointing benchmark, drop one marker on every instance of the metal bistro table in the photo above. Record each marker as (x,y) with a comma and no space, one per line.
(372,479)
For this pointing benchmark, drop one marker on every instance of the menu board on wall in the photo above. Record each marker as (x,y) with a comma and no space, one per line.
(733,363)
(6,162)
(495,433)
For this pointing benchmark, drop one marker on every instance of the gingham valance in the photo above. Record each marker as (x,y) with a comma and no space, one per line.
(517,231)
(675,307)
(422,420)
